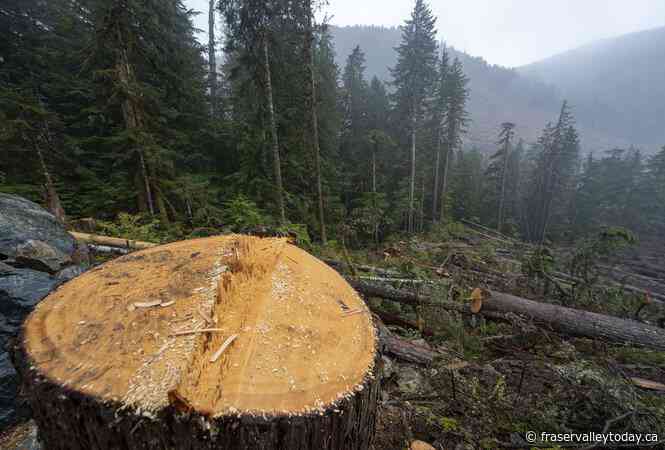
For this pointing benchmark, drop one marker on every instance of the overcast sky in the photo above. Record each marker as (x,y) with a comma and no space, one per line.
(506,32)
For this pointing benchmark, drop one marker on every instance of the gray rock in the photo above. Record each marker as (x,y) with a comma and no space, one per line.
(22,220)
(36,255)
(22,289)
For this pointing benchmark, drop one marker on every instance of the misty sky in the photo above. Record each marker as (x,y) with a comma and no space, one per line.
(505,32)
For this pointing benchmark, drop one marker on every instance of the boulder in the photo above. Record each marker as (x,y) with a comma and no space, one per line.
(31,235)
(36,256)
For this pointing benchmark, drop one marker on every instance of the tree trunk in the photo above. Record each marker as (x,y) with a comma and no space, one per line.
(314,124)
(393,319)
(212,59)
(499,225)
(578,323)
(374,151)
(106,366)
(421,214)
(569,321)
(132,115)
(146,183)
(53,204)
(435,190)
(277,165)
(411,224)
(401,348)
(111,241)
(444,188)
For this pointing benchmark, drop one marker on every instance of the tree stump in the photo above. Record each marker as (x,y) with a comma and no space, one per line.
(230,342)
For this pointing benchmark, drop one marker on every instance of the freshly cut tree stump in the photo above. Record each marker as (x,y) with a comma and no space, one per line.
(230,342)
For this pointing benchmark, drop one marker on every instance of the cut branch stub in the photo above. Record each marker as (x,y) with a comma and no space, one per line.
(280,369)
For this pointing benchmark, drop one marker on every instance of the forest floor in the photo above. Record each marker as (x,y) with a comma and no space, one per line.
(492,382)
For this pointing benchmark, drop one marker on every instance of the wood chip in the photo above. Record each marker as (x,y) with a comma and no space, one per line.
(202,330)
(226,343)
(205,316)
(353,312)
(147,304)
(164,305)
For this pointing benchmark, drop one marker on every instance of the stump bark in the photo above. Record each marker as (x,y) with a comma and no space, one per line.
(229,342)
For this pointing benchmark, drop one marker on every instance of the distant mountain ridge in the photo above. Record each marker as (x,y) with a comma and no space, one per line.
(617,85)
(531,95)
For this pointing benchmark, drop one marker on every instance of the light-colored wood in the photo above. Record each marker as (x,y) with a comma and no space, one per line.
(111,241)
(293,353)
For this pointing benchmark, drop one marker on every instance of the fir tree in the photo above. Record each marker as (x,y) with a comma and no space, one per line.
(439,110)
(497,171)
(413,77)
(455,121)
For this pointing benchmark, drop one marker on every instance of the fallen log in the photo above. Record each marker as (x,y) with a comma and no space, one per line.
(399,348)
(111,241)
(338,265)
(393,319)
(383,290)
(576,322)
(408,297)
(108,250)
(499,306)
(288,369)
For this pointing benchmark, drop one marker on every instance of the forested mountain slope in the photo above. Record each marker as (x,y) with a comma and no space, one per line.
(615,91)
(616,85)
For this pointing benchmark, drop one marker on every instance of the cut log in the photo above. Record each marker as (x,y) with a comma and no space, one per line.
(576,322)
(393,319)
(408,297)
(383,290)
(111,241)
(499,306)
(101,375)
(402,349)
(338,265)
(108,250)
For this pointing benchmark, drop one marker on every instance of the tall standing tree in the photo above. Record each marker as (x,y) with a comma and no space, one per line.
(498,168)
(556,163)
(150,46)
(311,107)
(439,109)
(413,77)
(212,58)
(251,26)
(455,123)
(378,106)
(355,122)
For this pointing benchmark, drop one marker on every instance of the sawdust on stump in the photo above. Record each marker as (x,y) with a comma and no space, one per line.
(230,326)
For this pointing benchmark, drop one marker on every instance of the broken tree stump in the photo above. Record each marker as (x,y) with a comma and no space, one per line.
(229,342)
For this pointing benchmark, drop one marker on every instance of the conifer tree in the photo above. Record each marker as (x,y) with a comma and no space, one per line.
(413,77)
(497,171)
(552,180)
(355,124)
(310,98)
(455,122)
(251,28)
(439,110)
(212,58)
